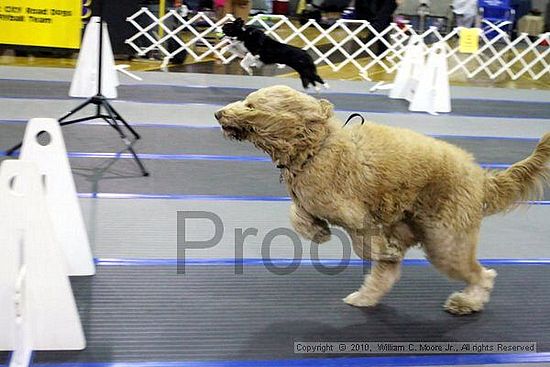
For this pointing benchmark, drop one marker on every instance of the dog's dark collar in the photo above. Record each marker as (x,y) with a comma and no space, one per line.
(308,159)
(283,167)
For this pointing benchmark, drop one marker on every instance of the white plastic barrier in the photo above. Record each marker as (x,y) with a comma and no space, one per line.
(410,70)
(423,81)
(60,193)
(433,94)
(497,55)
(86,78)
(43,240)
(38,310)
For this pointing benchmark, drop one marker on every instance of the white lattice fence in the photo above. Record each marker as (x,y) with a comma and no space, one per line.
(344,43)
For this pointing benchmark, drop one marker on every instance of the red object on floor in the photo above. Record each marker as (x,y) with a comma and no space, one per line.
(280,7)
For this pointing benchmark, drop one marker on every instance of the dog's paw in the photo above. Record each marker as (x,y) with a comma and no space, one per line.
(460,303)
(322,236)
(360,299)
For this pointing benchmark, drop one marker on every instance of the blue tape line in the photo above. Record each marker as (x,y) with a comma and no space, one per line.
(482,137)
(162,157)
(176,157)
(287,262)
(494,165)
(537,202)
(105,195)
(400,361)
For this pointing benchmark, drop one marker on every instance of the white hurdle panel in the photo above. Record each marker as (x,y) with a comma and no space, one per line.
(60,192)
(43,241)
(38,307)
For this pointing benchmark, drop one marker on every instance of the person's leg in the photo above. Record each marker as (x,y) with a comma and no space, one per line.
(241,8)
(220,9)
(379,26)
(459,19)
(381,21)
(469,20)
(227,8)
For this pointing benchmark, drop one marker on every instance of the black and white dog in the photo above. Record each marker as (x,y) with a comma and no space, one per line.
(270,51)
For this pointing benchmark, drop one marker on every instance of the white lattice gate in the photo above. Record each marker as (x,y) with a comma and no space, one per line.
(345,43)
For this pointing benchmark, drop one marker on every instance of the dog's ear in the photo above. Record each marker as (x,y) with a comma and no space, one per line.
(239,22)
(326,109)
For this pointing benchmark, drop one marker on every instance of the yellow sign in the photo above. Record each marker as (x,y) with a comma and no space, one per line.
(48,23)
(469,40)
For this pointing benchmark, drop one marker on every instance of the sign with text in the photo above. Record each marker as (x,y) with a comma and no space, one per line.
(48,23)
(469,40)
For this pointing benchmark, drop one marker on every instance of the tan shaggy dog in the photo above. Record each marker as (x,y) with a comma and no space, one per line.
(389,188)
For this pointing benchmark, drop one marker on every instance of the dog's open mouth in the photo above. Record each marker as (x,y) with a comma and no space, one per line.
(235,133)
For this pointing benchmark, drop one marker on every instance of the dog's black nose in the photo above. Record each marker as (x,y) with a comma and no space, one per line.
(218,115)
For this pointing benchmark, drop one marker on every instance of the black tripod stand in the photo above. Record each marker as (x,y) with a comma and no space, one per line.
(110,115)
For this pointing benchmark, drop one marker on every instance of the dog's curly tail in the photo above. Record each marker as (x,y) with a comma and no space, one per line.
(522,181)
